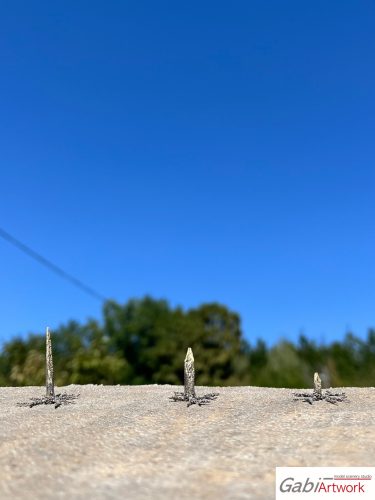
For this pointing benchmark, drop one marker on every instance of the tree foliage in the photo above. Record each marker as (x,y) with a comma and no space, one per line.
(145,341)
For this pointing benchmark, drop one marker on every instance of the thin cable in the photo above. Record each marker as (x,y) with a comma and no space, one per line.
(50,265)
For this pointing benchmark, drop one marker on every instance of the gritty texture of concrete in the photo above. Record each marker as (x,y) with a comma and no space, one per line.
(131,442)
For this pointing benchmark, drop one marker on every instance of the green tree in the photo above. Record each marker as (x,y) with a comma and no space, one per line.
(145,341)
(284,368)
(216,338)
(154,338)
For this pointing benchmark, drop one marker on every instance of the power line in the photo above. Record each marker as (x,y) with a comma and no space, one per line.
(50,265)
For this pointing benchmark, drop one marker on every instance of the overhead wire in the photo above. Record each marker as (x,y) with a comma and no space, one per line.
(50,265)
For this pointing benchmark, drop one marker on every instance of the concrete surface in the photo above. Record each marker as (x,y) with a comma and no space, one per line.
(126,442)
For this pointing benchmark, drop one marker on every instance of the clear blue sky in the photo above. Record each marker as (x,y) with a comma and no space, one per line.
(194,151)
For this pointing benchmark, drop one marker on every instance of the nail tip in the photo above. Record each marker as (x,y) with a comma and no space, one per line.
(189,354)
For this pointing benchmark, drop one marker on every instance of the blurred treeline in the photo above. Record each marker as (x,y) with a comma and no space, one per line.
(145,341)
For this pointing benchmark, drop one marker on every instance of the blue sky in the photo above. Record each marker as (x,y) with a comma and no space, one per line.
(200,151)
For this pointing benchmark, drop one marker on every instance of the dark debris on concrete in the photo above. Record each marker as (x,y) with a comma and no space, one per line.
(194,400)
(57,400)
(328,396)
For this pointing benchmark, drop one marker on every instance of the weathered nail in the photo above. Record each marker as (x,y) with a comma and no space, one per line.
(189,375)
(317,386)
(50,385)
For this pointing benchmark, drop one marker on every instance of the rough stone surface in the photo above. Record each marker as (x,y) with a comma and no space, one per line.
(121,442)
